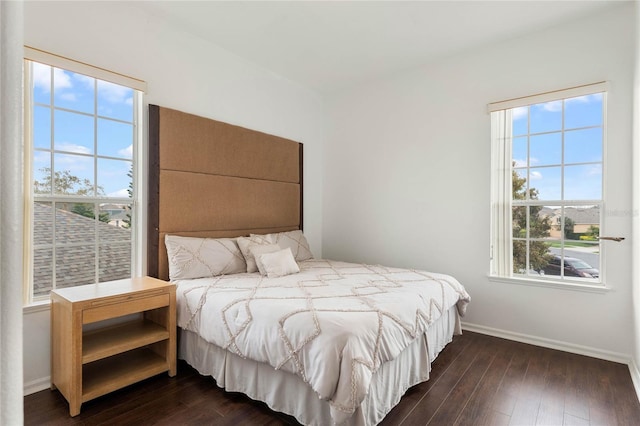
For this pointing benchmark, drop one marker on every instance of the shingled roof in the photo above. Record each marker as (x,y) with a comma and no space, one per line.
(580,216)
(588,216)
(75,250)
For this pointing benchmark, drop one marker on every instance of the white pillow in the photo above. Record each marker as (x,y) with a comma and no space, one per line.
(245,244)
(191,257)
(278,264)
(262,249)
(296,241)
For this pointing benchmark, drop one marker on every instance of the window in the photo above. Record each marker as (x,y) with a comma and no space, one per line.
(547,185)
(81,154)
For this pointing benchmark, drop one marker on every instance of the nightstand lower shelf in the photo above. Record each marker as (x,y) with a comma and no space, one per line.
(109,374)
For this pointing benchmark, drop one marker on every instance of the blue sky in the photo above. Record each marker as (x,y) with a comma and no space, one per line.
(538,143)
(78,137)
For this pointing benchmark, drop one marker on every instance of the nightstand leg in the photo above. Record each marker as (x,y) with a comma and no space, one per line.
(74,408)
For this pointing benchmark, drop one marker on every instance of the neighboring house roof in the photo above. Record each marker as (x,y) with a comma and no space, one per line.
(75,249)
(580,216)
(104,207)
(120,215)
(588,216)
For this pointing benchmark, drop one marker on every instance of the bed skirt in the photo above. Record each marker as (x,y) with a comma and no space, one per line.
(285,392)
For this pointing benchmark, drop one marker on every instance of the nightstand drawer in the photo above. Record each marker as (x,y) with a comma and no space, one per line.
(124,308)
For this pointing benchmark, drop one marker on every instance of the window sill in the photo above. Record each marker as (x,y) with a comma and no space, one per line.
(566,285)
(34,307)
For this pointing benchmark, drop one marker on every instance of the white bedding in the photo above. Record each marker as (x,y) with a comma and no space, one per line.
(333,325)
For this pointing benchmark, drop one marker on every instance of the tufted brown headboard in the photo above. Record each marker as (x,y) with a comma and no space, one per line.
(212,179)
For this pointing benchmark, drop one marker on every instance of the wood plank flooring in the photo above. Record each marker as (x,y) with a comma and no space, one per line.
(476,380)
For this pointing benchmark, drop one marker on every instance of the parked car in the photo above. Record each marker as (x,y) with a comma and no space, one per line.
(573,267)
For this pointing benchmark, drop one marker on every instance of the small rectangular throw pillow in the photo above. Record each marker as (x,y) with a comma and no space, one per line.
(246,243)
(296,241)
(191,257)
(278,263)
(262,249)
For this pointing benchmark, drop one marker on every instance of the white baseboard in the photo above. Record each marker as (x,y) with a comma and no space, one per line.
(37,385)
(635,377)
(549,343)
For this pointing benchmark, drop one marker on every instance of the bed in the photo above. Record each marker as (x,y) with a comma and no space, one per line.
(325,341)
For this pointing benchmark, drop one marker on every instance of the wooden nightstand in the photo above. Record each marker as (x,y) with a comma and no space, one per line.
(86,364)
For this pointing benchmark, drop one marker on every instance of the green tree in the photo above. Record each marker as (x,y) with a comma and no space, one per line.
(593,232)
(87,211)
(569,225)
(64,183)
(539,227)
(127,220)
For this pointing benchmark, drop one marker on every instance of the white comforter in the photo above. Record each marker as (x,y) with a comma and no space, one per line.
(333,324)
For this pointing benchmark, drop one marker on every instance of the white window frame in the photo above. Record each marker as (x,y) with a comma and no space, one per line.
(501,248)
(138,160)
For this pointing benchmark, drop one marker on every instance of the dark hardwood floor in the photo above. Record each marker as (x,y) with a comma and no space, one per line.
(476,380)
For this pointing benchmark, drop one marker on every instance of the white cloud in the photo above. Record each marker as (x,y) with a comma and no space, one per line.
(519,112)
(80,166)
(121,193)
(42,78)
(113,93)
(71,97)
(585,99)
(71,147)
(61,80)
(85,80)
(553,106)
(535,175)
(580,99)
(126,152)
(42,158)
(594,171)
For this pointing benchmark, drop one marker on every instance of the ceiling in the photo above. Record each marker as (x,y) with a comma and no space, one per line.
(330,45)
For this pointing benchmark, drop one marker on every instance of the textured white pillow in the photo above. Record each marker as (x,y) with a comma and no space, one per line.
(278,264)
(245,244)
(191,257)
(296,241)
(256,251)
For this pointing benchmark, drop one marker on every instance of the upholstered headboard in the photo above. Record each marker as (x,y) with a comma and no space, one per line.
(212,179)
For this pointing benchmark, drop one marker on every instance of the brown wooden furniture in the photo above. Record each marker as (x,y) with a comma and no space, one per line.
(87,362)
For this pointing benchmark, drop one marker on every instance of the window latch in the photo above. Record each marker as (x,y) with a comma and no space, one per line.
(616,239)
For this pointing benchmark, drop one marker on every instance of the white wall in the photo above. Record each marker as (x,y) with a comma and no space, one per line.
(407,175)
(635,372)
(185,73)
